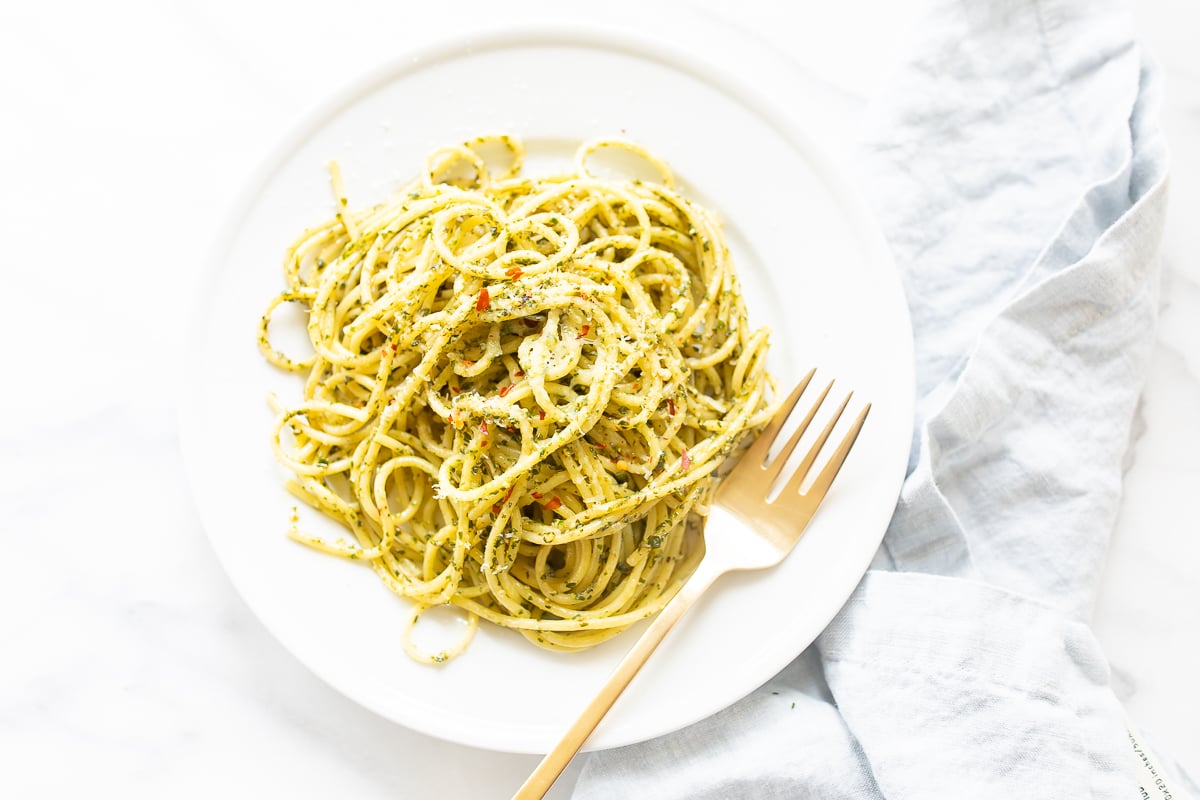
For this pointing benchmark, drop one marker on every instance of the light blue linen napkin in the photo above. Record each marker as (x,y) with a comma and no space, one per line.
(1019,173)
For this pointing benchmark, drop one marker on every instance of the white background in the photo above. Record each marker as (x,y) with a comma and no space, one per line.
(128,665)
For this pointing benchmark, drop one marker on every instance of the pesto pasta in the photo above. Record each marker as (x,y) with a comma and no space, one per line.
(520,391)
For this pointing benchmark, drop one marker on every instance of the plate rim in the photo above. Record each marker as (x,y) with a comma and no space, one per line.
(509,35)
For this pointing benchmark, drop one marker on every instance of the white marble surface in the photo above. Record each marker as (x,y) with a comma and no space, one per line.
(128,665)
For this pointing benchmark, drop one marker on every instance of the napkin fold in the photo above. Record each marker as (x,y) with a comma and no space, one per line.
(1019,173)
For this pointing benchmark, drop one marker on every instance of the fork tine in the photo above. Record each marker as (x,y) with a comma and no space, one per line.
(823,481)
(793,484)
(777,465)
(757,454)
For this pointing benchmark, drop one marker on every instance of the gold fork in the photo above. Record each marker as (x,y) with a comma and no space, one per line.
(765,529)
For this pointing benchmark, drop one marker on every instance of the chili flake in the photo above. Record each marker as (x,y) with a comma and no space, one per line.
(503,500)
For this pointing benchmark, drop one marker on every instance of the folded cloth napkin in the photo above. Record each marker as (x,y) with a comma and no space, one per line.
(1020,176)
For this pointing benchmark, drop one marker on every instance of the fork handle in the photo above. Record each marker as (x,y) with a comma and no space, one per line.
(542,778)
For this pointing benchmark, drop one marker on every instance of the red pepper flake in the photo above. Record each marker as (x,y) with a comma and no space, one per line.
(637,387)
(484,300)
(519,373)
(671,405)
(585,295)
(685,460)
(503,500)
(536,495)
(483,427)
(600,445)
(514,273)
(505,389)
(554,504)
(584,330)
(455,389)
(466,363)
(484,443)
(541,413)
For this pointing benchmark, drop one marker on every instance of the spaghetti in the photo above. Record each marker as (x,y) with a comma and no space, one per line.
(520,391)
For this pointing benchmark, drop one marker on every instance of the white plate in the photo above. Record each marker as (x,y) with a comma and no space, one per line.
(813,265)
